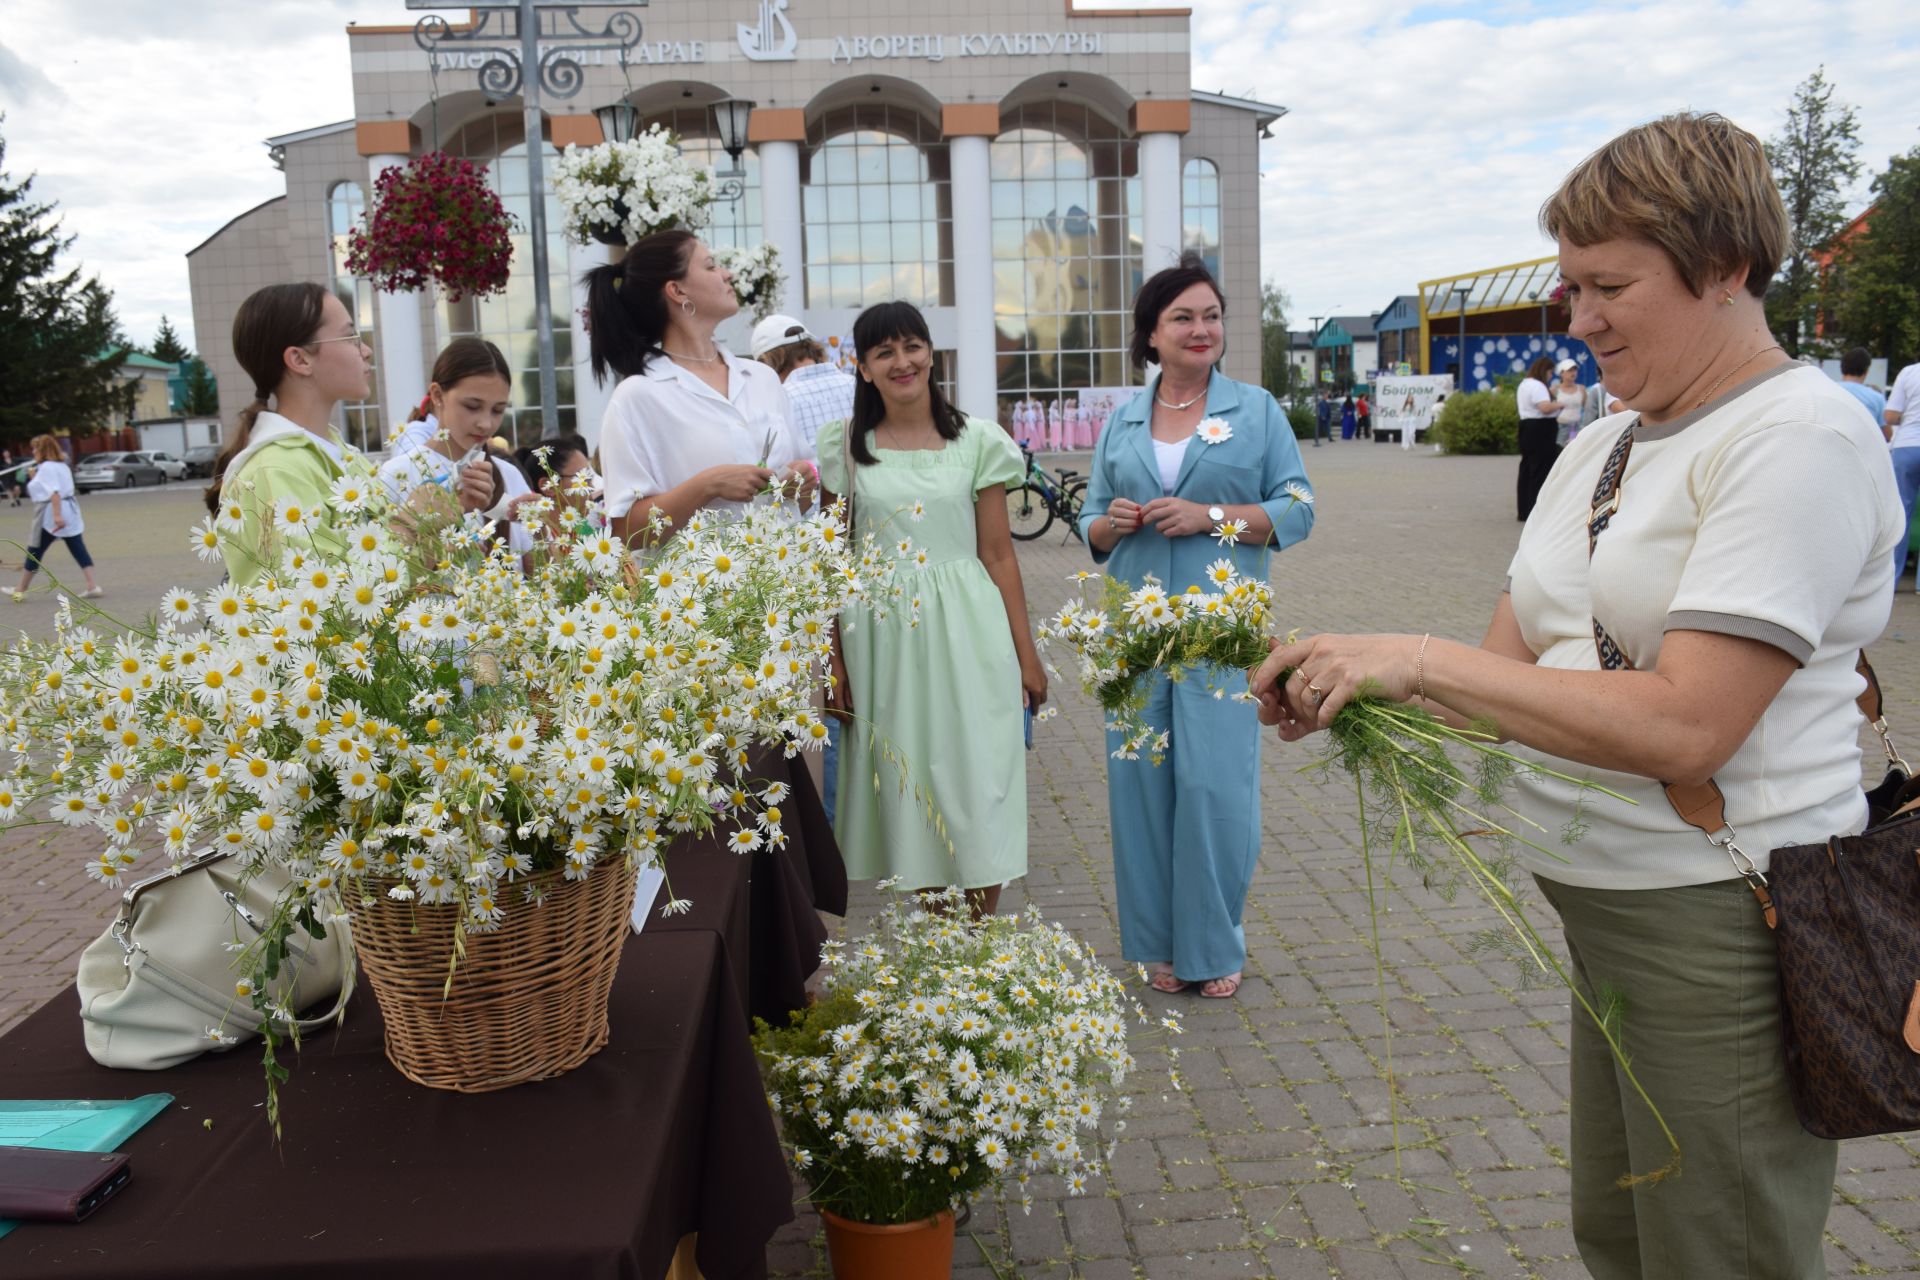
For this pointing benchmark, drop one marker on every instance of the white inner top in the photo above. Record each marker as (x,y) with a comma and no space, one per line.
(1169,457)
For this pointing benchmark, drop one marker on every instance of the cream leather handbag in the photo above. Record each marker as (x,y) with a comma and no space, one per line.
(157,985)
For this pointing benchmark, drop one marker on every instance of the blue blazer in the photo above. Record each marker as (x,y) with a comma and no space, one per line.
(1254,466)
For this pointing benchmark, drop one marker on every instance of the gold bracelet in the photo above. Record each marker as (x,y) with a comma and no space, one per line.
(1420,666)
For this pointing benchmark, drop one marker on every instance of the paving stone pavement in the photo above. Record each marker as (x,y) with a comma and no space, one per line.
(1276,1157)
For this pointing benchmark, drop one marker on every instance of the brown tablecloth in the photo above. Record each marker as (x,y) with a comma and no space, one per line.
(598,1173)
(764,903)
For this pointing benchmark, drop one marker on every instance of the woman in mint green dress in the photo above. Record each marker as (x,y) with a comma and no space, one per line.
(945,699)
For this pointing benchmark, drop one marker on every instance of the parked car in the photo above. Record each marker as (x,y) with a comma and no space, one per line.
(199,461)
(116,471)
(174,468)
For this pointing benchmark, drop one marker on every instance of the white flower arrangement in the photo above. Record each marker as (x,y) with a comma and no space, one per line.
(396,707)
(627,190)
(945,1054)
(757,276)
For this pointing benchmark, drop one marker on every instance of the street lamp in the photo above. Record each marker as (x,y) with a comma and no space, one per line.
(619,122)
(1461,291)
(730,116)
(516,64)
(1314,347)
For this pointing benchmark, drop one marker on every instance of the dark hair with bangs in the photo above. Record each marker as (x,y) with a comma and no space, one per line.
(1158,293)
(879,324)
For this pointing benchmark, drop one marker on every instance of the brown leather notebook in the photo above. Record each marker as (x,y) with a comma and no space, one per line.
(58,1186)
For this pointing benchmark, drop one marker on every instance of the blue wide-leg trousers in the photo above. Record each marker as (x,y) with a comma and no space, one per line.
(1186,833)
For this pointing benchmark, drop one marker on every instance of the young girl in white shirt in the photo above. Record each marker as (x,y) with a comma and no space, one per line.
(690,426)
(471,390)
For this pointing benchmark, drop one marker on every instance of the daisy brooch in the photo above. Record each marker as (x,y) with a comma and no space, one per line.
(1213,431)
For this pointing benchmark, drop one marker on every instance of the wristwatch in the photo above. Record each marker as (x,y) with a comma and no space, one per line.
(1216,514)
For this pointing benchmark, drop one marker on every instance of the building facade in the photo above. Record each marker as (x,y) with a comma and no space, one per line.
(1014,170)
(1494,323)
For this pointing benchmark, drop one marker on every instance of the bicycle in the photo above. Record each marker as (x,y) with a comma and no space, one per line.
(1043,497)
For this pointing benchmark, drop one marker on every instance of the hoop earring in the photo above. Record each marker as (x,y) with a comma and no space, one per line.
(686,307)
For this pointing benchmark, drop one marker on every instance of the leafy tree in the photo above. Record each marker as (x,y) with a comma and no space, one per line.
(1872,293)
(60,346)
(203,394)
(1277,373)
(1814,158)
(167,345)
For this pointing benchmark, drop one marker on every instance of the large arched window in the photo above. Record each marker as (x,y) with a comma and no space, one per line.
(360,421)
(1200,211)
(508,319)
(877,205)
(736,223)
(1066,250)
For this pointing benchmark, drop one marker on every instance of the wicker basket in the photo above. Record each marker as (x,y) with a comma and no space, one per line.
(528,1002)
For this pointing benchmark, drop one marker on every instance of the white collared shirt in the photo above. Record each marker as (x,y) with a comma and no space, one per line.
(665,426)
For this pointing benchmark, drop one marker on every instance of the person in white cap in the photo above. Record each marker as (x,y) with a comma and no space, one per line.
(818,392)
(1572,397)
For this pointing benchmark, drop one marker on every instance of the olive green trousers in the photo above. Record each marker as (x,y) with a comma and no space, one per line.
(1695,972)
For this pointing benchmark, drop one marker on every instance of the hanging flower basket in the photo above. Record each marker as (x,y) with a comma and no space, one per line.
(436,221)
(619,192)
(757,277)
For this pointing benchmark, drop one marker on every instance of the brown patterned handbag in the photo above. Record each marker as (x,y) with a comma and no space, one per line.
(1846,915)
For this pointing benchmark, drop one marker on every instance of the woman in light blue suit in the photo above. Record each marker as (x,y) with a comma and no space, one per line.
(1186,833)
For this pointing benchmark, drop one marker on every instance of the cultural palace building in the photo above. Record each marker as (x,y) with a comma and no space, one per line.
(1015,168)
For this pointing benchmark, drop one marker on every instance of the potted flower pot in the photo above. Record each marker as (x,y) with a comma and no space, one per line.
(920,1250)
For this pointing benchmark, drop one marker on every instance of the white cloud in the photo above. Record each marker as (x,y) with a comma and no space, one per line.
(1420,139)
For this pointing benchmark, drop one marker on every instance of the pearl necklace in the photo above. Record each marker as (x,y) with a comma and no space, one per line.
(695,359)
(1184,404)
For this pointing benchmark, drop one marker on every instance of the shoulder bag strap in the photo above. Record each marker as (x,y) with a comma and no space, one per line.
(1701,807)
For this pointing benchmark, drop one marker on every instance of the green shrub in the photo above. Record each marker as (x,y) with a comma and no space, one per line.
(1479,422)
(1300,417)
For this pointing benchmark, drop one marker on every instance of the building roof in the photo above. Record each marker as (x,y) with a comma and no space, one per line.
(1299,338)
(1266,112)
(230,222)
(304,135)
(1402,313)
(1344,331)
(1518,286)
(141,360)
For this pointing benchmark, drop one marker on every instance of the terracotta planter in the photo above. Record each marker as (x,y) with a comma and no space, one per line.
(897,1251)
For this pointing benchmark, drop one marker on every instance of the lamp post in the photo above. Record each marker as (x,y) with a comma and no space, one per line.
(1461,291)
(503,73)
(730,116)
(1315,348)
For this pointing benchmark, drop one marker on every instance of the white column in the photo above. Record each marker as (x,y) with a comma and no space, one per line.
(589,397)
(975,379)
(781,219)
(1160,193)
(403,367)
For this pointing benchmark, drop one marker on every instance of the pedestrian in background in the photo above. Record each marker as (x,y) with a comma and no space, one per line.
(1853,381)
(1364,412)
(1323,419)
(1347,419)
(1573,402)
(1539,424)
(1900,424)
(56,515)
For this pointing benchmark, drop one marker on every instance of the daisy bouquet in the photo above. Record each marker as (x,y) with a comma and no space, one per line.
(945,1054)
(1434,790)
(396,706)
(623,191)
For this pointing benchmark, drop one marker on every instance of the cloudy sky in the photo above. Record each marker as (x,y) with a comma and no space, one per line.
(1420,138)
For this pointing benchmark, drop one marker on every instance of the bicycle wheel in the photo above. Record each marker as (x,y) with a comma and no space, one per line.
(1075,500)
(1028,514)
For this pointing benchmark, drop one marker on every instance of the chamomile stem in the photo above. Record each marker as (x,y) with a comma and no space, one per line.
(1379,970)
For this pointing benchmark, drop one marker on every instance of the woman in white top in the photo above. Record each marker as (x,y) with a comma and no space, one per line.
(690,427)
(470,390)
(56,514)
(1573,402)
(1747,561)
(1539,429)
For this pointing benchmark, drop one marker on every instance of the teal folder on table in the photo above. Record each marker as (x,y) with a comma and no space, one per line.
(79,1124)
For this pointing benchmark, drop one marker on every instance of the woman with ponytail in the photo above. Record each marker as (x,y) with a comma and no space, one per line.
(690,427)
(304,354)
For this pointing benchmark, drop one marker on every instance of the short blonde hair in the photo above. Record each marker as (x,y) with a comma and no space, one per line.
(1697,185)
